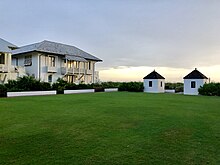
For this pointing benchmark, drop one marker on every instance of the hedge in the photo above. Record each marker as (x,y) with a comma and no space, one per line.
(211,89)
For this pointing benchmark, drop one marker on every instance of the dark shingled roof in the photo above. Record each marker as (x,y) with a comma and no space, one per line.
(55,48)
(6,46)
(154,75)
(195,74)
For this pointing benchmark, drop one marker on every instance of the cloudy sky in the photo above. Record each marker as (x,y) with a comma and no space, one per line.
(133,37)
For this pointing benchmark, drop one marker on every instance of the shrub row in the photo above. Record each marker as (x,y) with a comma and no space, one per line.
(131,86)
(28,83)
(178,87)
(211,89)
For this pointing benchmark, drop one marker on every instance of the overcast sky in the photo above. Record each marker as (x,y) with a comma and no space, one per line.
(144,34)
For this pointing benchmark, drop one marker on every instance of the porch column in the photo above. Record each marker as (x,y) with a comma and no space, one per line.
(93,72)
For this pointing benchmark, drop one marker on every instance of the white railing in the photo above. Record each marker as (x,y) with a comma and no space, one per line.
(51,69)
(3,68)
(88,71)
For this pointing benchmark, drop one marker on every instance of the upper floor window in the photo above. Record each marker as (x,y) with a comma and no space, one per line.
(28,60)
(193,84)
(2,59)
(150,83)
(89,65)
(52,61)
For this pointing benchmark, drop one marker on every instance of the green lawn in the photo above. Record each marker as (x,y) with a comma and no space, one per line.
(110,128)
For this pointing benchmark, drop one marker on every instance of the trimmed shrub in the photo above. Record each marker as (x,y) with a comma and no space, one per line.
(211,89)
(27,83)
(99,89)
(131,86)
(178,87)
(3,91)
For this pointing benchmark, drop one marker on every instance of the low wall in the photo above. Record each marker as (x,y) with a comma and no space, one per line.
(39,93)
(111,90)
(30,93)
(79,91)
(169,90)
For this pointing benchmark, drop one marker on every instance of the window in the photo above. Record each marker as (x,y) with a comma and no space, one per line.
(28,60)
(51,61)
(89,65)
(50,78)
(2,59)
(161,84)
(150,83)
(193,84)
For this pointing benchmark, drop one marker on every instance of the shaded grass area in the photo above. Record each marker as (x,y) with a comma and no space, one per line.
(110,128)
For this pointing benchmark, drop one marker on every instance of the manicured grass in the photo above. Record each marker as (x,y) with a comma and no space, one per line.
(110,128)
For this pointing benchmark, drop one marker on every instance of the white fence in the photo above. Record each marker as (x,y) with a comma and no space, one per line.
(30,93)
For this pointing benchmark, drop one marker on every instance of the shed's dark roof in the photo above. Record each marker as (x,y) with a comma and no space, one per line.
(195,74)
(55,48)
(154,75)
(6,46)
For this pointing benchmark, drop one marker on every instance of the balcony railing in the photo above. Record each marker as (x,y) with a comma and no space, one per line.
(79,70)
(88,71)
(65,70)
(3,68)
(51,69)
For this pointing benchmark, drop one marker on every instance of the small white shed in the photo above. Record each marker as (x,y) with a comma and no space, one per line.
(193,81)
(154,83)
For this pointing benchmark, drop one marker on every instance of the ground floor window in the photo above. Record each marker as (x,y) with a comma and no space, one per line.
(50,78)
(150,83)
(161,84)
(193,84)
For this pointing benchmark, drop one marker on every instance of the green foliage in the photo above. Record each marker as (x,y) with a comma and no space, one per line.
(27,83)
(3,90)
(131,86)
(178,87)
(211,89)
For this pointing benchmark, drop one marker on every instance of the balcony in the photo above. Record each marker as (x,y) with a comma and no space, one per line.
(88,71)
(51,69)
(65,70)
(3,68)
(79,70)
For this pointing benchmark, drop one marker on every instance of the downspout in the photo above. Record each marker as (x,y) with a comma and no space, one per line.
(39,67)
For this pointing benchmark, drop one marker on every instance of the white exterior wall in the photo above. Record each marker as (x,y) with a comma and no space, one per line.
(156,86)
(30,70)
(193,91)
(38,69)
(43,76)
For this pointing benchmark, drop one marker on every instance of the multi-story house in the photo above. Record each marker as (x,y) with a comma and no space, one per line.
(7,71)
(48,61)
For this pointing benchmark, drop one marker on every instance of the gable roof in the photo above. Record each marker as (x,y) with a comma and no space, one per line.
(55,48)
(154,75)
(195,74)
(6,46)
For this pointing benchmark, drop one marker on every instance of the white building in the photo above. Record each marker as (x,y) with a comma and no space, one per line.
(7,71)
(193,81)
(48,61)
(154,83)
